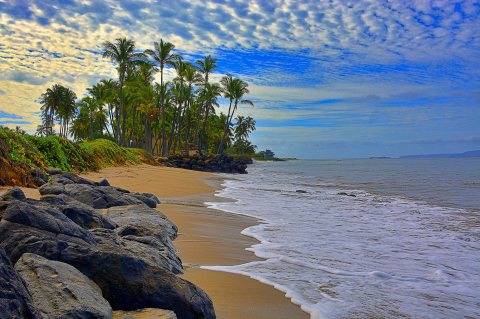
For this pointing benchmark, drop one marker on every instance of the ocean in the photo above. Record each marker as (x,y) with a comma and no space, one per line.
(365,238)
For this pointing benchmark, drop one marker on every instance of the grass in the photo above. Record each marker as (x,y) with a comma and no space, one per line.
(53,151)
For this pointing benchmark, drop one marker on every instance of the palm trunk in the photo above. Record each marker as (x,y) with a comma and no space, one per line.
(227,124)
(204,129)
(119,128)
(197,128)
(187,121)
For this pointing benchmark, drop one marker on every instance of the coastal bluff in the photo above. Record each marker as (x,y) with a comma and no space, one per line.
(91,250)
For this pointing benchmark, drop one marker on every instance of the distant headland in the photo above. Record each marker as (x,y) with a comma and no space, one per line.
(453,155)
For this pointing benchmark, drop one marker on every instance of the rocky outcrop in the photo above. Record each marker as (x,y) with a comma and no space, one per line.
(80,213)
(91,194)
(218,163)
(59,290)
(15,300)
(127,252)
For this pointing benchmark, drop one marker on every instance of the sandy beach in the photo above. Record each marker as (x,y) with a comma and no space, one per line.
(206,237)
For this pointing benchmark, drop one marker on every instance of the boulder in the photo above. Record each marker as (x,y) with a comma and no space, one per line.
(82,214)
(15,300)
(53,171)
(103,182)
(59,290)
(94,195)
(13,194)
(128,271)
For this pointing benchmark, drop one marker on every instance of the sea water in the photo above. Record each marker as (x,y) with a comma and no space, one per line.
(366,238)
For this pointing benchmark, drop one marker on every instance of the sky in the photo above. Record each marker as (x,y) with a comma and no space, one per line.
(329,78)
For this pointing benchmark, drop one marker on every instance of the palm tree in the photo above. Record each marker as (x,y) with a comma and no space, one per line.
(66,110)
(59,102)
(50,100)
(123,53)
(163,55)
(209,96)
(205,66)
(191,77)
(233,89)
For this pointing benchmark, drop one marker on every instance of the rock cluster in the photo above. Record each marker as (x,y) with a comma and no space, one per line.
(91,248)
(218,163)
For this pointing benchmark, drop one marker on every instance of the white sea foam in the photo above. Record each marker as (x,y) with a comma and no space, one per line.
(341,256)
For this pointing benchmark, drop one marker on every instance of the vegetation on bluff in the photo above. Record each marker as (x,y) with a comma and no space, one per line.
(162,118)
(22,154)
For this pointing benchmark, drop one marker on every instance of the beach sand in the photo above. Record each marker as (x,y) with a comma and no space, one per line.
(206,237)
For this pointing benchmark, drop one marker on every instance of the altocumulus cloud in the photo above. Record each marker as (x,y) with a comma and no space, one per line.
(394,66)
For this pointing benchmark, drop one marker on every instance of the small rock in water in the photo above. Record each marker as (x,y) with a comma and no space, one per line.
(346,194)
(301,191)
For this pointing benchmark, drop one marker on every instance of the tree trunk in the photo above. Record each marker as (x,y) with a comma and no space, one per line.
(227,124)
(120,115)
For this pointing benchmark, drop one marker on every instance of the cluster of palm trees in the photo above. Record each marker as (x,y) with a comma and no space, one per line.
(58,103)
(163,118)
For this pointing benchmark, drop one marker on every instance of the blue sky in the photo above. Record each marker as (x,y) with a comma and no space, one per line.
(329,78)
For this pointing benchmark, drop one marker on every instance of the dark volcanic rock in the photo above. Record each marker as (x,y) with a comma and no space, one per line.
(13,194)
(15,300)
(82,214)
(93,194)
(61,291)
(218,163)
(149,228)
(103,182)
(131,264)
(53,171)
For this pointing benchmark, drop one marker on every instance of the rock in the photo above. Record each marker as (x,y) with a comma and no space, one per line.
(93,196)
(15,300)
(53,171)
(37,172)
(70,178)
(346,194)
(13,194)
(39,229)
(83,215)
(301,191)
(145,220)
(147,313)
(103,182)
(59,290)
(150,228)
(128,279)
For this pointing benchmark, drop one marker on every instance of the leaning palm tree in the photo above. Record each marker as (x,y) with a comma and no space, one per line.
(234,89)
(122,52)
(163,55)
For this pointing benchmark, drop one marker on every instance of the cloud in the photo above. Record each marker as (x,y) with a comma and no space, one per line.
(24,77)
(327,63)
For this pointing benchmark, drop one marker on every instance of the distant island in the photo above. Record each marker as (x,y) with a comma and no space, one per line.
(454,155)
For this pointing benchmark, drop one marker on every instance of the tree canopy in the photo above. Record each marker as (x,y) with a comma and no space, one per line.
(162,118)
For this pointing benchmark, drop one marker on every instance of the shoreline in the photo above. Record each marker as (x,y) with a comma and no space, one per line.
(207,237)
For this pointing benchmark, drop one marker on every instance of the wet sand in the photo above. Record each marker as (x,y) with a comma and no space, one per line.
(207,237)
